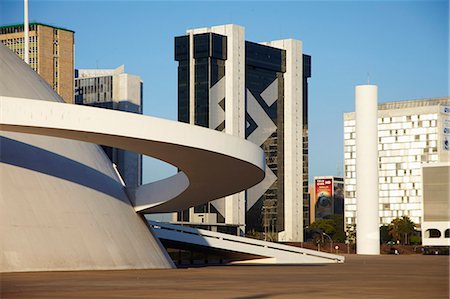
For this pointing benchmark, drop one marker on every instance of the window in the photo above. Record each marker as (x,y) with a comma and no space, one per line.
(432,233)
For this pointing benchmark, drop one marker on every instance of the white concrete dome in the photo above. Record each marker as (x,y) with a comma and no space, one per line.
(62,205)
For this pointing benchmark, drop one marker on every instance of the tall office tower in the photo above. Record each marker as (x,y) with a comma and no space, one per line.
(114,89)
(258,92)
(410,133)
(51,53)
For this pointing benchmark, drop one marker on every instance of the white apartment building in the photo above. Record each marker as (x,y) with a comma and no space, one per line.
(117,90)
(410,133)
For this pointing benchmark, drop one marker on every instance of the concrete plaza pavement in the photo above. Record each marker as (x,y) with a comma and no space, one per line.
(385,276)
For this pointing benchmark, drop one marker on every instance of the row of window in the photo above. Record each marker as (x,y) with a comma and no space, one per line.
(385,198)
(407,175)
(387,208)
(408,125)
(396,129)
(16,45)
(395,185)
(20,41)
(398,119)
(90,90)
(350,217)
(389,176)
(404,184)
(415,163)
(397,142)
(407,157)
(16,29)
(21,51)
(19,48)
(408,141)
(405,118)
(55,59)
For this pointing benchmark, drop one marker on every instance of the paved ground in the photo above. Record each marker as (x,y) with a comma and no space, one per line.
(386,276)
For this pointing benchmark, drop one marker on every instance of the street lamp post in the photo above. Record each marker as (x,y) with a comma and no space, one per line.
(331,240)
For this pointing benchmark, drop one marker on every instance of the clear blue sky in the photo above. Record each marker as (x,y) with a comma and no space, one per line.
(404,45)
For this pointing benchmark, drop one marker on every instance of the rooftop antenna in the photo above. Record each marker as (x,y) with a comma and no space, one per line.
(338,170)
(26,32)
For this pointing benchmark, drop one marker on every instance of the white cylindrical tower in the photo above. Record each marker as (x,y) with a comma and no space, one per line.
(367,214)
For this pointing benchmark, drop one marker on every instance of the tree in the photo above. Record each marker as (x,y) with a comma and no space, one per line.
(339,235)
(332,225)
(350,231)
(394,229)
(401,229)
(415,239)
(384,234)
(327,226)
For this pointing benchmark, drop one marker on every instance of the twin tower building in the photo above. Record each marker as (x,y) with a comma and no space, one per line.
(256,91)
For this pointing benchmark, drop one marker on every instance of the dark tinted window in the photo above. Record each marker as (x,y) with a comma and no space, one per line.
(433,233)
(182,48)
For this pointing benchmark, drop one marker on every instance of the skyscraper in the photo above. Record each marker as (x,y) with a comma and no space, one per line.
(256,91)
(114,89)
(51,53)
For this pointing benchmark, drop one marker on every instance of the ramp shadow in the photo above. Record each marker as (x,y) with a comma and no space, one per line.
(33,158)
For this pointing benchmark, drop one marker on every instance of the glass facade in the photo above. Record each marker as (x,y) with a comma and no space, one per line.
(306,199)
(263,66)
(182,56)
(209,55)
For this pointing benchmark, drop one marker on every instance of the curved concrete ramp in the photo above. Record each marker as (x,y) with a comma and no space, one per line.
(260,252)
(208,159)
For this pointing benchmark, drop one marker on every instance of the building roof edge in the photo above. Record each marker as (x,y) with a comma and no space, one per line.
(35,23)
